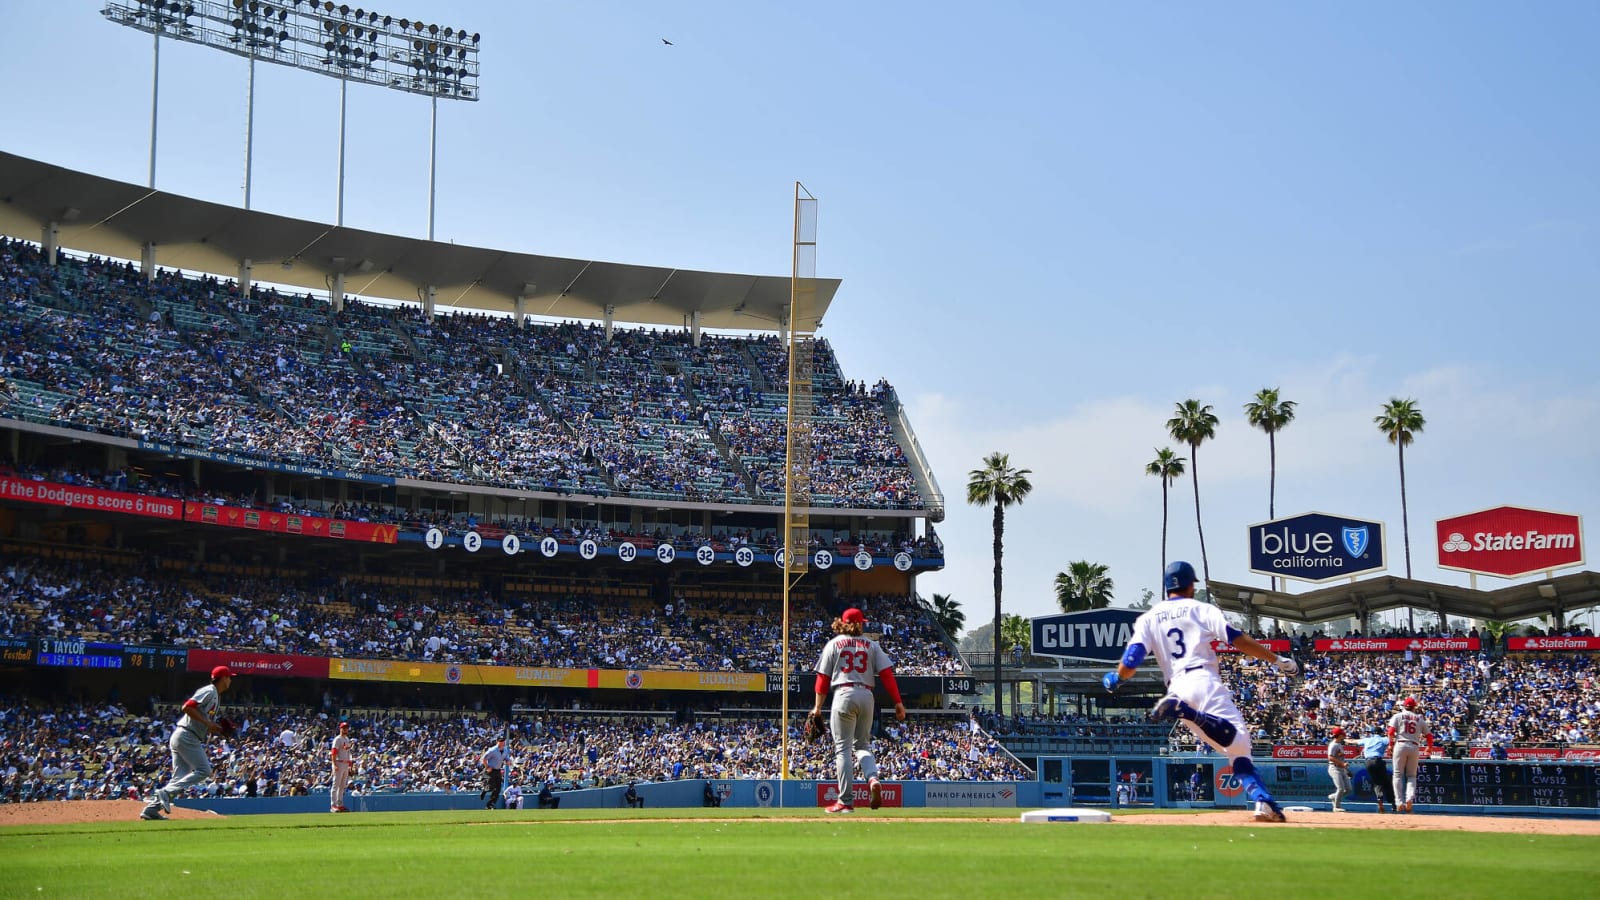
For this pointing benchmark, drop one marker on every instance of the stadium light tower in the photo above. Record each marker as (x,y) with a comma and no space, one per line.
(334,39)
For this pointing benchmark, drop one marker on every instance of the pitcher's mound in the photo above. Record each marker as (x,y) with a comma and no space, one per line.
(72,812)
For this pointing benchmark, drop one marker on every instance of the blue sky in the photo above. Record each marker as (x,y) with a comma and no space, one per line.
(1053,221)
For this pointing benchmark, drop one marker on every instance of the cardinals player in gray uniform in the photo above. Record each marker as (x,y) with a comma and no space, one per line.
(1178,633)
(1409,731)
(852,664)
(1338,767)
(188,742)
(341,769)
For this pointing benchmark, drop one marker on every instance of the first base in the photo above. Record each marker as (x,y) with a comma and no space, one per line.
(1066,814)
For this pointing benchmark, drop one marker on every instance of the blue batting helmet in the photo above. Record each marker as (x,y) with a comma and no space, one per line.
(1179,575)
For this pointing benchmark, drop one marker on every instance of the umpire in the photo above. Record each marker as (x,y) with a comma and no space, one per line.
(1374,751)
(494,771)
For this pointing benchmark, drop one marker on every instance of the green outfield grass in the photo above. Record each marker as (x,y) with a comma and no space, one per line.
(771,853)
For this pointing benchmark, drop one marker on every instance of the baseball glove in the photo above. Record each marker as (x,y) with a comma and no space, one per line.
(816,726)
(228,728)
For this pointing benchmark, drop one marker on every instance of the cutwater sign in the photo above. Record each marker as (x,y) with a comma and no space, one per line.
(1098,634)
(1316,547)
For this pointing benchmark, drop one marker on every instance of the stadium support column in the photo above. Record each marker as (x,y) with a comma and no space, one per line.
(147,260)
(50,241)
(245,266)
(611,320)
(428,298)
(336,293)
(801,338)
(694,327)
(519,310)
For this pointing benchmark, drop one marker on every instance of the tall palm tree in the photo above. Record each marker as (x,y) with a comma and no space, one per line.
(948,614)
(999,485)
(1270,414)
(1016,631)
(1167,466)
(1085,585)
(1401,420)
(1194,423)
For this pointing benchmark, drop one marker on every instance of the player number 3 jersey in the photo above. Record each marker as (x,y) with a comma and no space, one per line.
(1178,633)
(853,660)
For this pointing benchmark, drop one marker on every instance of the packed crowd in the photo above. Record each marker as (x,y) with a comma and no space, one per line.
(92,344)
(1552,700)
(103,750)
(583,627)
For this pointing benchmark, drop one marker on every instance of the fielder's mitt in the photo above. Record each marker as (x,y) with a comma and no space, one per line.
(816,726)
(228,727)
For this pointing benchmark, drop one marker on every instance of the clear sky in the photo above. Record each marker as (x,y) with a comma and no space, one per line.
(1053,221)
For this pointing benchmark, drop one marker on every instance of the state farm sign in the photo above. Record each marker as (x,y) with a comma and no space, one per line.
(1509,541)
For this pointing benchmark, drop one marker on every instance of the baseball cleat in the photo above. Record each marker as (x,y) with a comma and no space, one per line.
(165,799)
(152,815)
(1166,709)
(838,808)
(875,791)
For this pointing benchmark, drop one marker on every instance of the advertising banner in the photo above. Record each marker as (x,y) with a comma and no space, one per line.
(1394,645)
(274,665)
(941,793)
(1276,645)
(1097,634)
(286,523)
(682,681)
(1553,643)
(78,497)
(889,793)
(1509,541)
(460,673)
(1316,547)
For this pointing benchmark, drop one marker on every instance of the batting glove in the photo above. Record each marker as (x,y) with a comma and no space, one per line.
(1287,665)
(1109,681)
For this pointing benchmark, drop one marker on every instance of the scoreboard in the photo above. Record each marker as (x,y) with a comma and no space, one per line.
(1500,783)
(76,654)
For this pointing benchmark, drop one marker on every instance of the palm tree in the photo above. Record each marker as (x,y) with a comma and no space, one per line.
(948,614)
(997,484)
(1085,585)
(1270,414)
(1167,466)
(1194,423)
(1400,420)
(1016,632)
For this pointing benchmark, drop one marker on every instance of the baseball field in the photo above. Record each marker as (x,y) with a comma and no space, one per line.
(783,853)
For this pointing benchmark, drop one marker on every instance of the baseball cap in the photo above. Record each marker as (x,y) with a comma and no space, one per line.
(854,615)
(1178,576)
(220,671)
(344,726)
(1336,731)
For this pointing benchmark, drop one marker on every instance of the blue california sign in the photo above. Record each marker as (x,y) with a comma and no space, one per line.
(1316,547)
(1098,634)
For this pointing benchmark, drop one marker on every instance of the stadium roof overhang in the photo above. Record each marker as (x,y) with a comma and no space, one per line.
(116,219)
(1554,597)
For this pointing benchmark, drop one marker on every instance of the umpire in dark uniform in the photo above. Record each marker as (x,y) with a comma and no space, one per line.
(494,771)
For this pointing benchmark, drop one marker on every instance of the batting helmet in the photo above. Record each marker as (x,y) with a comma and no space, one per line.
(1179,575)
(1409,703)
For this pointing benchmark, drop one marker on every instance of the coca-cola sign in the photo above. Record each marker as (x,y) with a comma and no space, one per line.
(1394,645)
(1510,541)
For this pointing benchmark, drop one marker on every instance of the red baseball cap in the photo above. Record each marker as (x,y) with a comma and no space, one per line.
(854,615)
(344,726)
(220,671)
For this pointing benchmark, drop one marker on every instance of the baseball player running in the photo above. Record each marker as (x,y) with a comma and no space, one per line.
(189,763)
(852,663)
(1338,768)
(1179,633)
(341,769)
(1409,730)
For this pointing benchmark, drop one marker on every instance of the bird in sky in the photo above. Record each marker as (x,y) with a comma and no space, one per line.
(667,42)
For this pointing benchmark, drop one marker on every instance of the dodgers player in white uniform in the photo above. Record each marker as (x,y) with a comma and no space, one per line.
(341,769)
(851,664)
(188,742)
(1178,633)
(1408,729)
